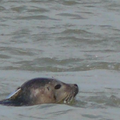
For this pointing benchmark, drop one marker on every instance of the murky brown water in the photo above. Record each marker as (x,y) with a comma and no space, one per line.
(74,41)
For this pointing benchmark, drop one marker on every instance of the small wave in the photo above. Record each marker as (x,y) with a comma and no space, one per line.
(101,101)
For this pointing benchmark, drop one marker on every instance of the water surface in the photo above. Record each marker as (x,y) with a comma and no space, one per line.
(74,41)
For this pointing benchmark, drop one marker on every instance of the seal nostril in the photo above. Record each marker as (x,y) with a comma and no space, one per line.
(75,85)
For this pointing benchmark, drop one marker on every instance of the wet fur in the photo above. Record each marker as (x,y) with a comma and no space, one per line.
(41,90)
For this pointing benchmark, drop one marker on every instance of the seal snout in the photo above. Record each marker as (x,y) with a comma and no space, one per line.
(76,89)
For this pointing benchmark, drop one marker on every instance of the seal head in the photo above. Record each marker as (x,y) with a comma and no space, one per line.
(41,91)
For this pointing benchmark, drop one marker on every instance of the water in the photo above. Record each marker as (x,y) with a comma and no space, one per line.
(73,41)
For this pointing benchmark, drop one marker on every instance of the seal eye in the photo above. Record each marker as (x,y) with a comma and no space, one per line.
(58,86)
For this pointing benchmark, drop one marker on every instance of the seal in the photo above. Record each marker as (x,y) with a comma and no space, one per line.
(42,91)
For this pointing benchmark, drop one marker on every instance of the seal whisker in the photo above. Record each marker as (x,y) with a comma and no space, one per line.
(68,98)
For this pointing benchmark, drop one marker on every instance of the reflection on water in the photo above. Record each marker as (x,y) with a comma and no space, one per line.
(67,40)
